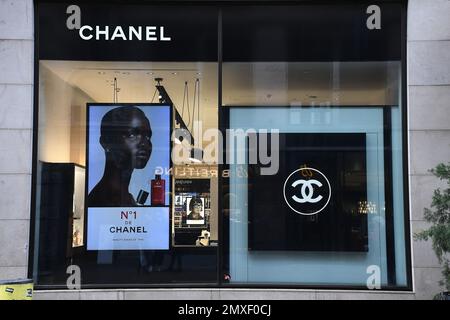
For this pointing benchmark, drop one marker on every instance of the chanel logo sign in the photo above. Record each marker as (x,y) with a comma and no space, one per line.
(307,196)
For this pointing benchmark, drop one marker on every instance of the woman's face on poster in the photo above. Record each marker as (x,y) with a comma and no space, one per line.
(132,147)
(197,209)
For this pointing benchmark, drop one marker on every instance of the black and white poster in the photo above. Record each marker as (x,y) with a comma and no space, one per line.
(192,202)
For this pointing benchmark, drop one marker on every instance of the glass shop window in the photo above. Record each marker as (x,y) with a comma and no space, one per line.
(110,200)
(315,193)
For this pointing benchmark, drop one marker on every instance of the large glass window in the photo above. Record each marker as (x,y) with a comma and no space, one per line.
(315,158)
(112,207)
(293,121)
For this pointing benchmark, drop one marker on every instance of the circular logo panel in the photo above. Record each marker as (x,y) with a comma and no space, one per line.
(307,191)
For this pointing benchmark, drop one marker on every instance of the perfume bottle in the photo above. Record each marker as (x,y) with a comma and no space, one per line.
(158,186)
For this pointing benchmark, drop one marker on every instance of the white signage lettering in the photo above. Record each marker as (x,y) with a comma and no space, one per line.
(150,33)
(111,33)
(82,35)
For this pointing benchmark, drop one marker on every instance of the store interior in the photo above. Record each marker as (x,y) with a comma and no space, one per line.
(67,86)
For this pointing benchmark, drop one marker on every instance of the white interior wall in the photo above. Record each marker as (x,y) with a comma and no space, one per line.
(62,110)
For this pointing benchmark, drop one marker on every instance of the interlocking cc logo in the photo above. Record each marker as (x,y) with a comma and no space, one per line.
(307,191)
(307,196)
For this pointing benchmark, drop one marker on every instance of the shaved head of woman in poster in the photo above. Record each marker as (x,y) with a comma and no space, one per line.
(125,136)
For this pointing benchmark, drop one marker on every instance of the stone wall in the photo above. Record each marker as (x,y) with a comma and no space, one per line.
(16,114)
(429,123)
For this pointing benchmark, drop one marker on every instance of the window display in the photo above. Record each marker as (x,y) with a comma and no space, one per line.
(334,208)
(318,198)
(192,210)
(315,195)
(127,144)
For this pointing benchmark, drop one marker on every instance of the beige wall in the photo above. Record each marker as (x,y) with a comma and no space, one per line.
(429,124)
(62,114)
(16,114)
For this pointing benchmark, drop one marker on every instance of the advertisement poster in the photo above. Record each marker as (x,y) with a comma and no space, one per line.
(192,202)
(133,228)
(195,210)
(192,210)
(128,157)
(318,199)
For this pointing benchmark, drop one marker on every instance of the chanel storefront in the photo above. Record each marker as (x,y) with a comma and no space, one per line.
(220,145)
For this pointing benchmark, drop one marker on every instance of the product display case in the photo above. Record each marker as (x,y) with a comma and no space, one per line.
(192,212)
(61,213)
